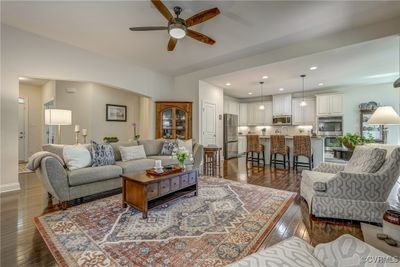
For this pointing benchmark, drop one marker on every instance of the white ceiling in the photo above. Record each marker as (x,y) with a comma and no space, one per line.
(244,27)
(367,63)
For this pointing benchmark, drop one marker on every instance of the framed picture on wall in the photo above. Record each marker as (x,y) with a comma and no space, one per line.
(115,112)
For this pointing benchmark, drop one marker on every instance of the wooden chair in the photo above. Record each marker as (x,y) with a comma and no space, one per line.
(254,146)
(278,147)
(302,147)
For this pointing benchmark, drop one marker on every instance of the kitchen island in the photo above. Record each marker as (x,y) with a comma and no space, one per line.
(317,146)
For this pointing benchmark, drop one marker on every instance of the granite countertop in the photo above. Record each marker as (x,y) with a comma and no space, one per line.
(287,136)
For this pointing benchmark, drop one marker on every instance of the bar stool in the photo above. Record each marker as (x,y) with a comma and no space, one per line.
(278,146)
(254,146)
(302,147)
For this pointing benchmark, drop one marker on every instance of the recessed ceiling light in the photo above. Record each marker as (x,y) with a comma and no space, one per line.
(313,68)
(21,78)
(265,77)
(320,84)
(250,93)
(228,84)
(281,89)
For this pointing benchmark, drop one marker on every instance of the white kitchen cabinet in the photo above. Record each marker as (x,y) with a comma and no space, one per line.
(252,111)
(231,106)
(243,114)
(303,115)
(330,105)
(267,120)
(282,105)
(255,116)
(242,144)
(336,104)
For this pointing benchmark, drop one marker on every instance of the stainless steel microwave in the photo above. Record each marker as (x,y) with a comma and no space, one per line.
(282,120)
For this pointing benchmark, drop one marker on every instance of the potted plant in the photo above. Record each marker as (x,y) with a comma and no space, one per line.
(350,140)
(181,154)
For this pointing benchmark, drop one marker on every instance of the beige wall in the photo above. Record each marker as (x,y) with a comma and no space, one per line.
(33,97)
(88,105)
(30,55)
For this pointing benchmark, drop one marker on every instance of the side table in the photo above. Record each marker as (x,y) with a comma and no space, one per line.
(369,232)
(212,159)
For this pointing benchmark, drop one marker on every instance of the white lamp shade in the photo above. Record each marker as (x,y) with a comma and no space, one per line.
(385,116)
(57,117)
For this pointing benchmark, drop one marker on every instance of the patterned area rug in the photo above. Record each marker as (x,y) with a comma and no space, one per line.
(224,223)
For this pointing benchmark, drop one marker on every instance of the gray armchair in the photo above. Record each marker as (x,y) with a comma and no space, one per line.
(332,192)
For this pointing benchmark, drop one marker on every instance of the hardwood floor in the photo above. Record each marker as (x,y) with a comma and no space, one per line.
(22,245)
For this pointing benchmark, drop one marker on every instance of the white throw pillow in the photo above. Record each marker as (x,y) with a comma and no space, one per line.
(187,144)
(76,157)
(132,152)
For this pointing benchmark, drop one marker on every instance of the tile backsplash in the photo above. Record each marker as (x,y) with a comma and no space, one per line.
(286,130)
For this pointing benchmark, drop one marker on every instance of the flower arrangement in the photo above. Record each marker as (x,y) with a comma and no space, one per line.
(181,154)
(135,136)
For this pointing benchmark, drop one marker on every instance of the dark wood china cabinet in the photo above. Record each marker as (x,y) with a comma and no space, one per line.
(173,120)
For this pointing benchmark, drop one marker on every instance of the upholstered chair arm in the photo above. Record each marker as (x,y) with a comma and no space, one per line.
(198,152)
(358,186)
(329,167)
(54,178)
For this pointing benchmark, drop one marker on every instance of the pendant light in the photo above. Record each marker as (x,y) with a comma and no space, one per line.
(396,83)
(303,103)
(262,106)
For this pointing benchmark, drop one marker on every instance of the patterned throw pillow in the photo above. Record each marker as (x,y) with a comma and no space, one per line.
(168,147)
(102,154)
(366,159)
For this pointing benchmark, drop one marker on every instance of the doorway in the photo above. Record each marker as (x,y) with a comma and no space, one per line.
(209,129)
(22,130)
(49,133)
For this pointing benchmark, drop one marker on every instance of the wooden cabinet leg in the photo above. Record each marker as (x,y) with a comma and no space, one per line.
(49,200)
(64,205)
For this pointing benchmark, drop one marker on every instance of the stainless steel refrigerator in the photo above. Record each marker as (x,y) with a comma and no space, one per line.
(230,136)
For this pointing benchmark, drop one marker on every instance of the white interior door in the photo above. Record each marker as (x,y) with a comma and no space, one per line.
(22,142)
(209,129)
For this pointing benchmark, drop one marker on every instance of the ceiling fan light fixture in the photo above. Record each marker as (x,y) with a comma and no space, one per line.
(177,31)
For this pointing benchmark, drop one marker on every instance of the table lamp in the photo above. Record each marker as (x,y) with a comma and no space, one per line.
(58,117)
(384,116)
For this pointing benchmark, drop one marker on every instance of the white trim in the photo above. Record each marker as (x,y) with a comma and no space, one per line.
(9,187)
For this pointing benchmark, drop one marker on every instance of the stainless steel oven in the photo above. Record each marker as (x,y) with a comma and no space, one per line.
(282,120)
(330,142)
(330,126)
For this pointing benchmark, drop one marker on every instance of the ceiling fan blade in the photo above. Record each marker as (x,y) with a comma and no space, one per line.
(172,44)
(200,37)
(163,10)
(202,16)
(150,28)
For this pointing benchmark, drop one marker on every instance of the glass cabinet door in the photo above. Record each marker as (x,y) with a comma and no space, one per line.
(180,123)
(167,124)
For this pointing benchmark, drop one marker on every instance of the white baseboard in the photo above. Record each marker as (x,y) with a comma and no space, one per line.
(9,187)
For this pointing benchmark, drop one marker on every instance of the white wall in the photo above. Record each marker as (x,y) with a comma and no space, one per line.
(215,95)
(33,97)
(27,54)
(383,94)
(186,86)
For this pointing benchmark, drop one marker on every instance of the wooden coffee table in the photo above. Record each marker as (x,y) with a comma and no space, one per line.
(144,192)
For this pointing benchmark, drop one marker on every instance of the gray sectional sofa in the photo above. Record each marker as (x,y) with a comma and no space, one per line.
(67,185)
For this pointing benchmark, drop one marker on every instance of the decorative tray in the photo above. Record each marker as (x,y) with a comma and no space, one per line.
(167,171)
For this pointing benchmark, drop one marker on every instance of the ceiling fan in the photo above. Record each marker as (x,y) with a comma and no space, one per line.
(178,27)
